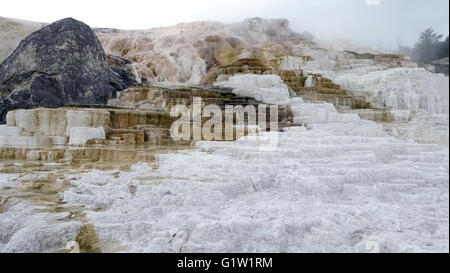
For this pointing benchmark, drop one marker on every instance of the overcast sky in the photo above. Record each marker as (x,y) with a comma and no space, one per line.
(378,23)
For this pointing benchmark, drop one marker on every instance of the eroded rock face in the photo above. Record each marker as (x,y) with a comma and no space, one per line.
(63,63)
(184,53)
(124,72)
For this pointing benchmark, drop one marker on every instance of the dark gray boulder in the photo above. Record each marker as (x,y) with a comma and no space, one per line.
(62,63)
(123,74)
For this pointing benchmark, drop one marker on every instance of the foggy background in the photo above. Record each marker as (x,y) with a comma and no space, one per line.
(381,24)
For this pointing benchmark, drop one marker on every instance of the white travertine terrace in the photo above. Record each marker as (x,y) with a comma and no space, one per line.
(402,88)
(44,127)
(267,88)
(81,135)
(334,187)
(334,184)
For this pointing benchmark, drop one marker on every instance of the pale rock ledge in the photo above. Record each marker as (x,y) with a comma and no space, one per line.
(81,135)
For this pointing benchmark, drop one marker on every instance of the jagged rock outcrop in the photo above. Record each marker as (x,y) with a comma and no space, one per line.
(62,63)
(124,73)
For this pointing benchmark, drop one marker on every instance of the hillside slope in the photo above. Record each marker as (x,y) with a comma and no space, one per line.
(12,31)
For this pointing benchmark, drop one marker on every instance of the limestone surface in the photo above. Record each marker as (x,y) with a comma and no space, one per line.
(81,135)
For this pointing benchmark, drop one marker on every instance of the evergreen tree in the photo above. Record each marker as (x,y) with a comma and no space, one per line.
(444,49)
(429,46)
